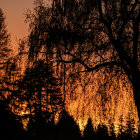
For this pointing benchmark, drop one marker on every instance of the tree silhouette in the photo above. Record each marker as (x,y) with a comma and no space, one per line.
(40,90)
(112,28)
(4,49)
(80,30)
(96,35)
(11,127)
(102,132)
(108,30)
(89,132)
(112,132)
(4,41)
(67,128)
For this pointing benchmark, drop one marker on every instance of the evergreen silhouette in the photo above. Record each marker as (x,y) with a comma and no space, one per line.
(4,41)
(42,130)
(37,80)
(89,133)
(67,128)
(102,133)
(5,51)
(67,35)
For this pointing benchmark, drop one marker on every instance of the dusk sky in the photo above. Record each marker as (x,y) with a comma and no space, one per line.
(15,15)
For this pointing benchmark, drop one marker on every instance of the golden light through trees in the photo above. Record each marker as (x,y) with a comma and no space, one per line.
(93,47)
(115,106)
(105,108)
(80,59)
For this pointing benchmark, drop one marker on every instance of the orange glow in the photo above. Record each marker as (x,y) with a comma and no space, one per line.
(104,108)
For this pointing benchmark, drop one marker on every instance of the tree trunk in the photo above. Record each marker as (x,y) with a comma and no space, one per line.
(136,90)
(40,104)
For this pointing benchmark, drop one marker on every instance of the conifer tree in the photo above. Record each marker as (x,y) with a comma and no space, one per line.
(88,132)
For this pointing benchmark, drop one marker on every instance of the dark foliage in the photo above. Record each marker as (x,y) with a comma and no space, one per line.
(4,40)
(88,132)
(10,126)
(4,49)
(67,128)
(74,31)
(40,90)
(79,29)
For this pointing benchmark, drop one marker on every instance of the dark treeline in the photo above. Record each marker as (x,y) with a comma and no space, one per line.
(66,39)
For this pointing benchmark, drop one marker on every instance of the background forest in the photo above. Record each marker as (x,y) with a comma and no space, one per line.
(76,75)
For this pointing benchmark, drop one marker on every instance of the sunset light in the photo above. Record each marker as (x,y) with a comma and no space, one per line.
(69,70)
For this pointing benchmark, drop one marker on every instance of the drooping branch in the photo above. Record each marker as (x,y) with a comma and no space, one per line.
(126,19)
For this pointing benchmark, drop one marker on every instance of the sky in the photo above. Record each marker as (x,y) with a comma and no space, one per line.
(14,11)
